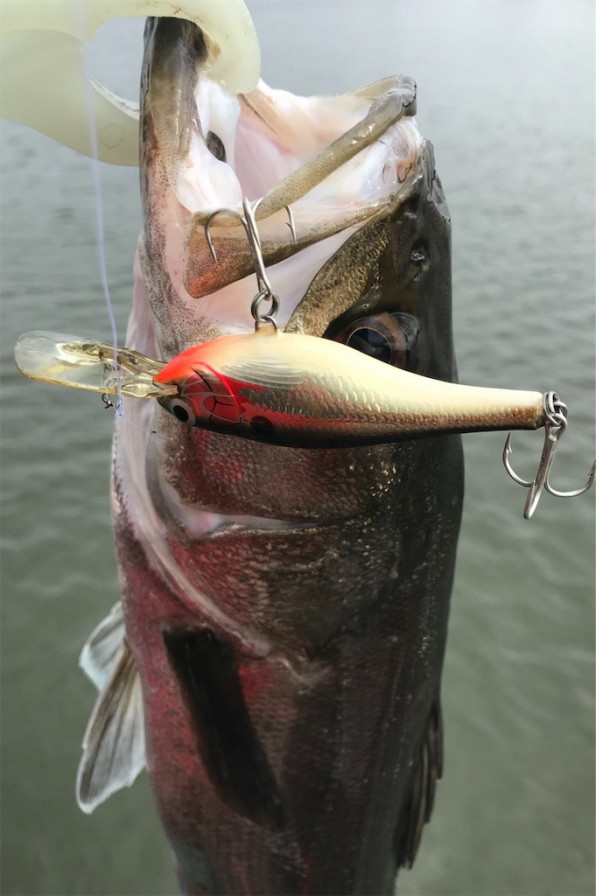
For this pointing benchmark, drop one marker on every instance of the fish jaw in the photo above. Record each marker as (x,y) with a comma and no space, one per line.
(309,591)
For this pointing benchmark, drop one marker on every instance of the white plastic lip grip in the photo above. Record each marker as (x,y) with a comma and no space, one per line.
(46,88)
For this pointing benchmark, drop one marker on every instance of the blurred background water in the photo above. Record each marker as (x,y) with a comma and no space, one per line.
(506,94)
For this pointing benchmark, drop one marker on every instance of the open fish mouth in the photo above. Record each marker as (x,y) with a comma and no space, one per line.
(336,163)
(214,137)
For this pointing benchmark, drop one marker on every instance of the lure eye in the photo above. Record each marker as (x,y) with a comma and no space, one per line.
(181,409)
(389,337)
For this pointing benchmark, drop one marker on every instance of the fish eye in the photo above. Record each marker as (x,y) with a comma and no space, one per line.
(372,342)
(181,409)
(389,337)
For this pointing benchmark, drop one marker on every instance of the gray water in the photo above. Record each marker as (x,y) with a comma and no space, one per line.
(506,94)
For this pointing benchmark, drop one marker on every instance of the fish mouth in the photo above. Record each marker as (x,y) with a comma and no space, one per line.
(338,162)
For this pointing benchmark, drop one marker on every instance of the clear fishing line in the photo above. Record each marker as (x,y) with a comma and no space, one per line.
(96,179)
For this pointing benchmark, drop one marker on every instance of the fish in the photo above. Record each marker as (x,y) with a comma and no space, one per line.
(260,626)
(284,610)
(271,634)
(464,651)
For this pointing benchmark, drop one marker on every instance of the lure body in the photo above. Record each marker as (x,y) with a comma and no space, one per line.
(286,389)
(294,389)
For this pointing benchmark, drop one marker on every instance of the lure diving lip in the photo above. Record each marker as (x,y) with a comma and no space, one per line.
(65,360)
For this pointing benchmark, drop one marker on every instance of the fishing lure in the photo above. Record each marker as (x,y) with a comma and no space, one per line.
(298,390)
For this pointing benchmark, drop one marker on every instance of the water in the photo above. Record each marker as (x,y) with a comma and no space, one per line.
(506,93)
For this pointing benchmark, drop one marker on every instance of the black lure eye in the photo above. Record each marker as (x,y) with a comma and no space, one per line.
(182,410)
(388,337)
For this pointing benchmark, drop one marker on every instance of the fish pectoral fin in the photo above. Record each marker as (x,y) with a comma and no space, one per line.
(114,742)
(103,647)
(418,806)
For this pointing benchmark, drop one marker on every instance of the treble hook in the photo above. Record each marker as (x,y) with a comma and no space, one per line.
(265,291)
(555,412)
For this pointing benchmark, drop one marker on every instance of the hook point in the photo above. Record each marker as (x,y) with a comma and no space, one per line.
(555,412)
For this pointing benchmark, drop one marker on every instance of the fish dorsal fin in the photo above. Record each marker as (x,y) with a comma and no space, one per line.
(428,769)
(103,647)
(114,742)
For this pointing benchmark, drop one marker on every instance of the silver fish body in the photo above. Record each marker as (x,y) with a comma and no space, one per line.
(286,609)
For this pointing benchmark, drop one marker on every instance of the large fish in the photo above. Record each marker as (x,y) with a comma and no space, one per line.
(277,655)
(107,648)
(285,609)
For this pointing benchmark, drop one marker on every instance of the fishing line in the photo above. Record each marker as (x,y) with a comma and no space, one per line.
(96,180)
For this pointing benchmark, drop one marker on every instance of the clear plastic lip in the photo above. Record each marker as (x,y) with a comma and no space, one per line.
(66,360)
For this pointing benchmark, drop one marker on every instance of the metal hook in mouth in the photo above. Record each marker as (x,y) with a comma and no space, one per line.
(265,292)
(555,412)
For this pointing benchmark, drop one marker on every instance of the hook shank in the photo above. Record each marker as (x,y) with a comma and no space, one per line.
(265,292)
